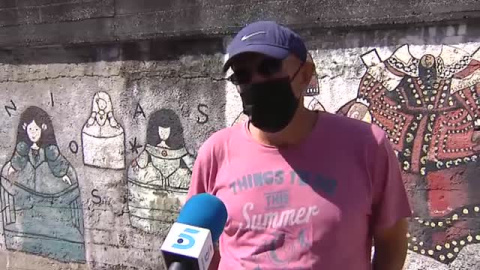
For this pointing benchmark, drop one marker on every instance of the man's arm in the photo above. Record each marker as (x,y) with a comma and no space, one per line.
(391,247)
(390,209)
(204,171)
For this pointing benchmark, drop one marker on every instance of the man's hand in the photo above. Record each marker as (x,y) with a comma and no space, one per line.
(391,247)
(216,259)
(476,135)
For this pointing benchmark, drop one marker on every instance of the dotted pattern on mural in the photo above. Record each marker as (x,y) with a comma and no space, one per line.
(447,251)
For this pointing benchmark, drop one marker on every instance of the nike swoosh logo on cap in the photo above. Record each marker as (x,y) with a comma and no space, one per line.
(253,34)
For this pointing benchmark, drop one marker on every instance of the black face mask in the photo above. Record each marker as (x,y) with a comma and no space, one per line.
(270,105)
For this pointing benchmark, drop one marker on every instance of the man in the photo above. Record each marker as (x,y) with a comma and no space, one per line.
(303,189)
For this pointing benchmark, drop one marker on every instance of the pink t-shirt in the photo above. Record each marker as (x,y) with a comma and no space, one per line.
(312,206)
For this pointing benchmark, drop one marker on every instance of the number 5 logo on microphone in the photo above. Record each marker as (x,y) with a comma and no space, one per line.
(185,239)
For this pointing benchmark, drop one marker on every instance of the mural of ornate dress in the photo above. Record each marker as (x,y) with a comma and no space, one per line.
(158,179)
(103,138)
(429,108)
(40,197)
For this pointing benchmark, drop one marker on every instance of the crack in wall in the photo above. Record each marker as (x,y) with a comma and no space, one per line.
(124,75)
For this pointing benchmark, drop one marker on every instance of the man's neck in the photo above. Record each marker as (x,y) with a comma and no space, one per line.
(299,128)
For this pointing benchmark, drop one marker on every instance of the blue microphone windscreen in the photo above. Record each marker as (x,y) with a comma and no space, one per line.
(205,211)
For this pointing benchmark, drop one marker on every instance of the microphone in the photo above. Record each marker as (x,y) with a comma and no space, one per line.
(189,243)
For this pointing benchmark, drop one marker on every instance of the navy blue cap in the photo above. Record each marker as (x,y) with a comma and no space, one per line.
(268,38)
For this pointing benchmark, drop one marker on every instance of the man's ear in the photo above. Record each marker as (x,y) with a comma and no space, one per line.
(309,72)
(44,127)
(24,126)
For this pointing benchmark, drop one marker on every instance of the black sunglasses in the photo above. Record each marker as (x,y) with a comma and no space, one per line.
(267,68)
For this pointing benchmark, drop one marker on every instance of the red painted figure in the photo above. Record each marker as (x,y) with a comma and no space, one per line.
(429,108)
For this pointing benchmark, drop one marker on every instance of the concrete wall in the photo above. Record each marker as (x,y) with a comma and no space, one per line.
(101,197)
(49,22)
(124,121)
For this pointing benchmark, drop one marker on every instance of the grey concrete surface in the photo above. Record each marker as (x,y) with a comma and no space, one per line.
(28,23)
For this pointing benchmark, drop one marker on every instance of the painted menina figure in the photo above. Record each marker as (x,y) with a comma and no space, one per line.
(159,177)
(40,194)
(103,138)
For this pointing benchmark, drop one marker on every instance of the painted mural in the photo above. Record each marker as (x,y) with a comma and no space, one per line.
(430,110)
(310,97)
(39,194)
(160,176)
(103,138)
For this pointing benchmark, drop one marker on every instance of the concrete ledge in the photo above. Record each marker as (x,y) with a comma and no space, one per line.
(74,22)
(54,13)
